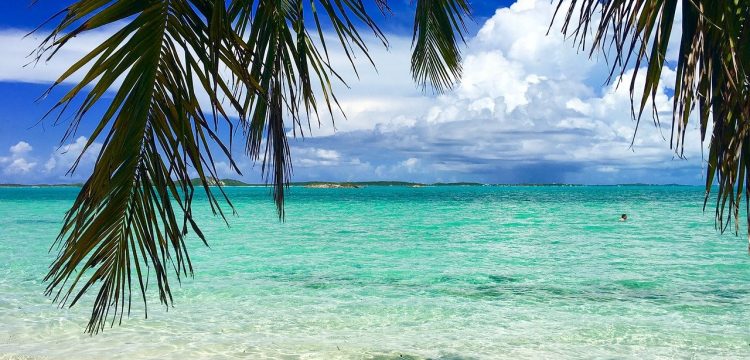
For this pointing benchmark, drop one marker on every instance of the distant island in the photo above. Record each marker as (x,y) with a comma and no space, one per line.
(41,185)
(353,185)
(348,184)
(332,186)
(222,182)
(335,184)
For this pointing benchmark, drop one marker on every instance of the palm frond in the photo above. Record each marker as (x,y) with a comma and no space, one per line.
(436,59)
(712,73)
(124,221)
(254,58)
(291,65)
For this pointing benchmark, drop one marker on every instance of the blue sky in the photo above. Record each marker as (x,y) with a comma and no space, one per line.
(530,109)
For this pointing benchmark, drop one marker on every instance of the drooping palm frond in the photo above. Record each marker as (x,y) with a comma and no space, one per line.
(256,57)
(291,65)
(438,26)
(712,73)
(132,215)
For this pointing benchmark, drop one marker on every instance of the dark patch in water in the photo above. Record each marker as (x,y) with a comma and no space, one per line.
(317,286)
(727,294)
(487,292)
(413,357)
(396,357)
(520,291)
(345,232)
(502,279)
(453,357)
(637,284)
(36,221)
(652,296)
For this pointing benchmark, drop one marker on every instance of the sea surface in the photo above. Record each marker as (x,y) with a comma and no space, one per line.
(446,273)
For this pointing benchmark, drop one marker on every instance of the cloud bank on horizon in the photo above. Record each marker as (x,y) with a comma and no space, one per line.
(529,109)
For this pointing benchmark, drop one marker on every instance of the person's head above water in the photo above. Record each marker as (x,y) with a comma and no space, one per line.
(624,217)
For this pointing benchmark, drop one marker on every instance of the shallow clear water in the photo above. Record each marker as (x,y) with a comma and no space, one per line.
(436,272)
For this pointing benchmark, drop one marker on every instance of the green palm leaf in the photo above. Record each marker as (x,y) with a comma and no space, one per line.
(438,24)
(712,74)
(290,67)
(259,58)
(125,221)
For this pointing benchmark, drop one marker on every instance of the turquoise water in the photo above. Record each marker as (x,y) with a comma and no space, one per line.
(393,273)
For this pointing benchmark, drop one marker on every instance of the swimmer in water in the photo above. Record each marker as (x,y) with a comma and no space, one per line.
(624,217)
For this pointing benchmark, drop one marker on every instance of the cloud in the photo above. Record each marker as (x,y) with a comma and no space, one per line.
(410,164)
(18,162)
(20,148)
(530,108)
(19,166)
(19,62)
(309,157)
(18,65)
(62,159)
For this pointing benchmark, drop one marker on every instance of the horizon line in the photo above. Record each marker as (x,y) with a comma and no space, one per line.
(381,183)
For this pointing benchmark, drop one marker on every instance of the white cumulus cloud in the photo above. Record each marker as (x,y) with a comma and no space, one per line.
(531,107)
(62,158)
(18,162)
(20,148)
(18,62)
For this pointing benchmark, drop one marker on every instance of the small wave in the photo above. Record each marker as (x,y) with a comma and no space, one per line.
(21,357)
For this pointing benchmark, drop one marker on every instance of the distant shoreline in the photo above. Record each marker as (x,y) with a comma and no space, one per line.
(355,184)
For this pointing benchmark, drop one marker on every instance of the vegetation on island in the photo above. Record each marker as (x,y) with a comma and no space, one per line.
(356,184)
(265,67)
(334,184)
(42,185)
(220,182)
(458,184)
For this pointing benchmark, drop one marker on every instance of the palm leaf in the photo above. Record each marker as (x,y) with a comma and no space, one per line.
(712,73)
(291,65)
(125,218)
(256,57)
(436,59)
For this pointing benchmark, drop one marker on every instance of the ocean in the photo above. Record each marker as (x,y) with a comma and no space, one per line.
(451,273)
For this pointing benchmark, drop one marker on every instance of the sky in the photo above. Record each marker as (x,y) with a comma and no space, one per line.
(530,108)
